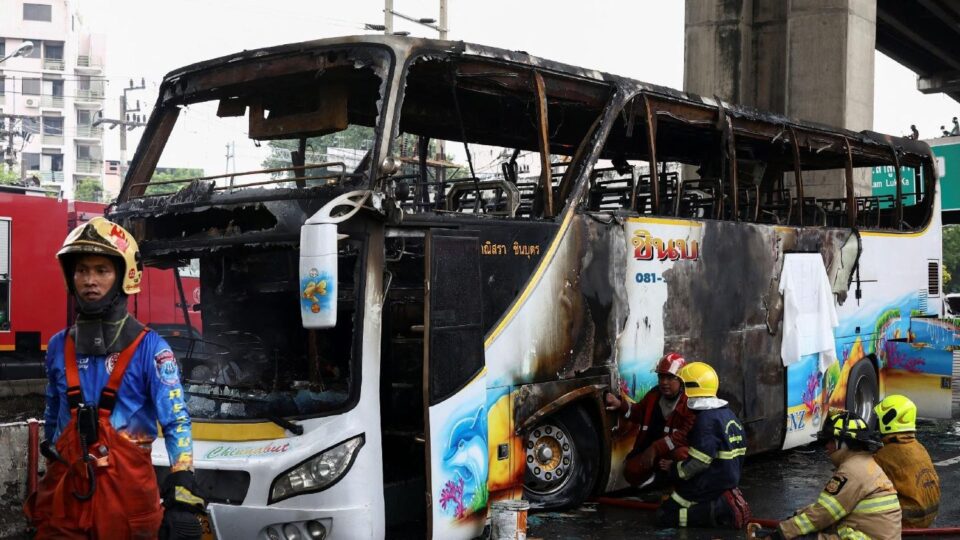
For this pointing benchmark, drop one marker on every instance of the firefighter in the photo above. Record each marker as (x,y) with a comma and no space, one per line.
(706,492)
(664,421)
(859,501)
(906,462)
(111,381)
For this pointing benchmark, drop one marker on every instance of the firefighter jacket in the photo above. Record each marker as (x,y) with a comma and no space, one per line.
(663,434)
(150,393)
(858,502)
(717,447)
(907,463)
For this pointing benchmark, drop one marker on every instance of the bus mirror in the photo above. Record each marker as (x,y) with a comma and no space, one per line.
(318,275)
(318,260)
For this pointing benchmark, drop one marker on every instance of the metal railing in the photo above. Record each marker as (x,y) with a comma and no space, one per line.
(53,139)
(89,132)
(55,64)
(88,62)
(327,177)
(89,94)
(89,166)
(51,101)
(49,176)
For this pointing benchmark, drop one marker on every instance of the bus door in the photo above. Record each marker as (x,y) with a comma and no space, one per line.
(454,386)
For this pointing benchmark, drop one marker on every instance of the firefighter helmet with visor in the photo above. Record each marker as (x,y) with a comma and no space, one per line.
(896,414)
(670,364)
(846,426)
(699,380)
(99,236)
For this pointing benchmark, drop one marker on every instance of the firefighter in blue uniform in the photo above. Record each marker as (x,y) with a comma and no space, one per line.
(706,492)
(111,382)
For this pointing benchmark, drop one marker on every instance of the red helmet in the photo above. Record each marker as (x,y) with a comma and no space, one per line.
(670,364)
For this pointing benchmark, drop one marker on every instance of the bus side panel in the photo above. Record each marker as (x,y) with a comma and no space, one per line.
(895,321)
(562,326)
(702,289)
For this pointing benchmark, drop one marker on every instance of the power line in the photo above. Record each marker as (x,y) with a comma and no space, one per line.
(59,78)
(89,98)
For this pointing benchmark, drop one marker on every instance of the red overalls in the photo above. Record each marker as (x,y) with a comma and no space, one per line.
(125,499)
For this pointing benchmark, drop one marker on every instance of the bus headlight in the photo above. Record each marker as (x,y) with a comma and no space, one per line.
(317,473)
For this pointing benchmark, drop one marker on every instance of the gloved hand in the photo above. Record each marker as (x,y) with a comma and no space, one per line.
(181,517)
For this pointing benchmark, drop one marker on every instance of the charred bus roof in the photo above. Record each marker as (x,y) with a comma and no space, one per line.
(373,73)
(207,79)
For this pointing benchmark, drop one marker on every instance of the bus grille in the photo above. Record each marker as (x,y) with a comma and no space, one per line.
(217,486)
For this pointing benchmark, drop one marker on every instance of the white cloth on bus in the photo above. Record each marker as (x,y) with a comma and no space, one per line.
(809,314)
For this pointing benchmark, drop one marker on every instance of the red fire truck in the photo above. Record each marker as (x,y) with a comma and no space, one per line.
(34,304)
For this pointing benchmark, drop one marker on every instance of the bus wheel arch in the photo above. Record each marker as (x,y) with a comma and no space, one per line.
(863,388)
(573,432)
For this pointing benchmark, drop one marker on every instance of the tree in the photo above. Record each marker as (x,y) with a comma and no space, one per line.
(9,176)
(88,189)
(355,137)
(168,175)
(951,256)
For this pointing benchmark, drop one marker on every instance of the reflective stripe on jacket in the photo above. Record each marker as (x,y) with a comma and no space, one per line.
(859,501)
(907,463)
(717,446)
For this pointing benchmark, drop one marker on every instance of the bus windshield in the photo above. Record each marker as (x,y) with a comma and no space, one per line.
(252,358)
(308,123)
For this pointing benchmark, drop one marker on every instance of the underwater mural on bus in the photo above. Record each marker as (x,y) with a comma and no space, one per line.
(913,351)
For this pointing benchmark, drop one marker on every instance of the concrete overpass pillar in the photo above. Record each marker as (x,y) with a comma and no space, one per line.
(808,59)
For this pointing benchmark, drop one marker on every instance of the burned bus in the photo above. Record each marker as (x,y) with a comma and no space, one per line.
(441,256)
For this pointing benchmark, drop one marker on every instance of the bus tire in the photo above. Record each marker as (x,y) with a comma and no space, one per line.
(863,390)
(562,456)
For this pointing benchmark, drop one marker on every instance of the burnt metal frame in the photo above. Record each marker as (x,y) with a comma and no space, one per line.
(189,83)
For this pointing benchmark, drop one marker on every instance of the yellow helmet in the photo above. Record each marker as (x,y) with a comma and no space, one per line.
(699,380)
(100,236)
(896,414)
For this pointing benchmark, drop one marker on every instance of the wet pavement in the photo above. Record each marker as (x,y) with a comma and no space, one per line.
(775,484)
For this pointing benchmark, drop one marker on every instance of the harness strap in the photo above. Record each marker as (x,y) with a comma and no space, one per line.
(74,391)
(108,396)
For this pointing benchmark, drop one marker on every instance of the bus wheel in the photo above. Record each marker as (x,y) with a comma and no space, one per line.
(862,392)
(562,456)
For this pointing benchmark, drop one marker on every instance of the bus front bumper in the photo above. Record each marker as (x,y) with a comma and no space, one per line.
(268,523)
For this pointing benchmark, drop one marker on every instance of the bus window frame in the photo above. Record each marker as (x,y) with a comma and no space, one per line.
(574,177)
(203,82)
(797,136)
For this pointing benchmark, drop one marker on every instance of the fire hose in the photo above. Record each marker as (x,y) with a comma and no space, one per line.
(770,523)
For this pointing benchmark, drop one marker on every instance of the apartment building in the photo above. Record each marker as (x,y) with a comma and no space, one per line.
(50,98)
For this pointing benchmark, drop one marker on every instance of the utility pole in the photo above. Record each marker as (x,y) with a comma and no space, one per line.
(389,13)
(388,17)
(126,123)
(124,111)
(443,19)
(10,151)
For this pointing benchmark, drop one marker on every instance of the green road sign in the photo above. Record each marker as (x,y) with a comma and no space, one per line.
(947,151)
